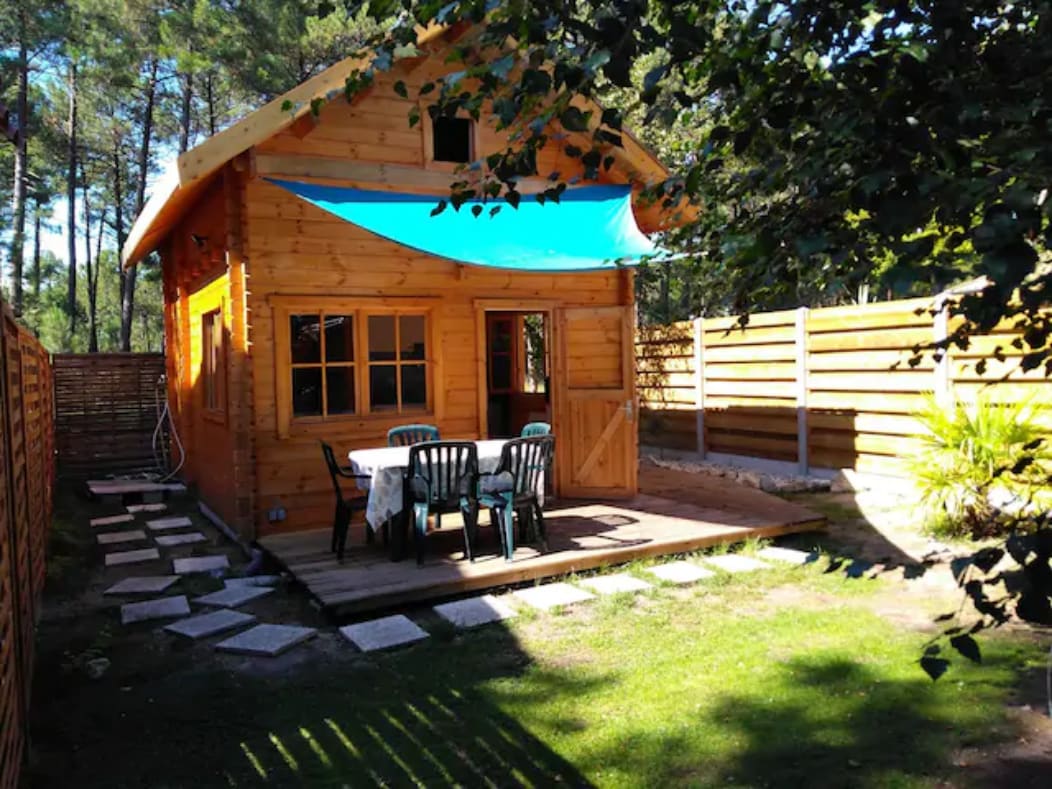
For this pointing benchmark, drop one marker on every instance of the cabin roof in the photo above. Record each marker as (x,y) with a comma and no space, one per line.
(194,170)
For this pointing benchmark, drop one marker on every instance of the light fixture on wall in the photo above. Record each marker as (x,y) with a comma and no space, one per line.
(199,241)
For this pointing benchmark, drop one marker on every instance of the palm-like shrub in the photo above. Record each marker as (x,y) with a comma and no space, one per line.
(978,458)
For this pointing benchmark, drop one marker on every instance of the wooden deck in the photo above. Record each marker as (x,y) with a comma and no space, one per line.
(581,536)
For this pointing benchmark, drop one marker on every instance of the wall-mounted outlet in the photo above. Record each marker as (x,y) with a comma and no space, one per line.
(276,513)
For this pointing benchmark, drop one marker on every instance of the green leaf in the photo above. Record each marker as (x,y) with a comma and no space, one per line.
(513,198)
(400,89)
(934,667)
(438,209)
(572,119)
(968,647)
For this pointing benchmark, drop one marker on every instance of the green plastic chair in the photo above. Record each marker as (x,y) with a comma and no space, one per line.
(407,435)
(536,429)
(511,490)
(442,477)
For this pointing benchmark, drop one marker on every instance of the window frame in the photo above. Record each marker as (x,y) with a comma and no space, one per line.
(284,307)
(212,368)
(323,364)
(428,134)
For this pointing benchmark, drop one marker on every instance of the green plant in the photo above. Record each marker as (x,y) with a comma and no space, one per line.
(978,458)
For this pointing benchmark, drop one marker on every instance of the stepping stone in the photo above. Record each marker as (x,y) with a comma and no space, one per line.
(680,572)
(475,611)
(142,584)
(791,555)
(199,564)
(115,537)
(388,631)
(158,507)
(154,609)
(233,596)
(168,540)
(735,563)
(132,557)
(163,524)
(266,640)
(110,520)
(254,580)
(615,584)
(552,595)
(204,625)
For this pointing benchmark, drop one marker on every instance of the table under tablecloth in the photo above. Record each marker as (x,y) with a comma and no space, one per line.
(385,467)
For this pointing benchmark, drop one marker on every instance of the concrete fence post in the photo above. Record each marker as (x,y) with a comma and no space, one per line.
(699,387)
(801,390)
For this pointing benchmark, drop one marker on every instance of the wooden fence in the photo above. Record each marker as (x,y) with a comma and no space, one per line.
(106,412)
(26,486)
(829,388)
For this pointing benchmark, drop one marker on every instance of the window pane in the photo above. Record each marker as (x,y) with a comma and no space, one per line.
(339,383)
(500,366)
(414,386)
(304,339)
(452,139)
(383,387)
(411,337)
(382,338)
(500,336)
(306,391)
(339,338)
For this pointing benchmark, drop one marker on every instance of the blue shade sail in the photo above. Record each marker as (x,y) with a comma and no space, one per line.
(590,228)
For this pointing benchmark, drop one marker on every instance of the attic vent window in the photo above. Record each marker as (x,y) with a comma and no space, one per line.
(451,138)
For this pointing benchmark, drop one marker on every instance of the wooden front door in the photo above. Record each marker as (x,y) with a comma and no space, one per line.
(596,430)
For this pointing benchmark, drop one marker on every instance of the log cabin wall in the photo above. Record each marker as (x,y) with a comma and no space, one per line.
(202,307)
(302,260)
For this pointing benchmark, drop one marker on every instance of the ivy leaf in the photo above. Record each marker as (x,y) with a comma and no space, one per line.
(438,209)
(414,117)
(934,667)
(476,210)
(968,647)
(513,198)
(400,89)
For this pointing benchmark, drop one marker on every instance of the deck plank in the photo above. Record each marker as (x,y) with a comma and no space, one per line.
(675,514)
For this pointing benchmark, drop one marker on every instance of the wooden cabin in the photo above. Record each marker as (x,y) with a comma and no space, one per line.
(286,324)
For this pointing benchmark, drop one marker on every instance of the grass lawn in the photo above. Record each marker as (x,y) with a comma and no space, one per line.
(786,678)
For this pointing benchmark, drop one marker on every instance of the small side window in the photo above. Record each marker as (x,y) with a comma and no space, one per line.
(452,140)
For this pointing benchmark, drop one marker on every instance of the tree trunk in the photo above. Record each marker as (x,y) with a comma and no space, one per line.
(35,271)
(128,275)
(18,199)
(93,333)
(211,99)
(185,112)
(71,199)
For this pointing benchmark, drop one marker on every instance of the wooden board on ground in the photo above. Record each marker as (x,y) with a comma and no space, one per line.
(582,535)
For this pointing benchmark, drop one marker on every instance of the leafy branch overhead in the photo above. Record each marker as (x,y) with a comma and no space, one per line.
(831,144)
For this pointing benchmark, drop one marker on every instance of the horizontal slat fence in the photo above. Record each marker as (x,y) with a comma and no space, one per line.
(828,388)
(106,412)
(26,484)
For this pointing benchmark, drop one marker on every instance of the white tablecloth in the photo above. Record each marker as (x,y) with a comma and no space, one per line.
(386,466)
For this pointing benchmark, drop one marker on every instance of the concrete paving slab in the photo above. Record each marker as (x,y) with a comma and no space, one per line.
(549,596)
(254,580)
(204,625)
(159,506)
(111,520)
(735,563)
(170,540)
(615,584)
(383,633)
(159,608)
(117,537)
(175,522)
(790,555)
(132,557)
(266,640)
(199,564)
(680,572)
(142,584)
(475,611)
(233,596)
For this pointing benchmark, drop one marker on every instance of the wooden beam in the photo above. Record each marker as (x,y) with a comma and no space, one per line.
(375,175)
